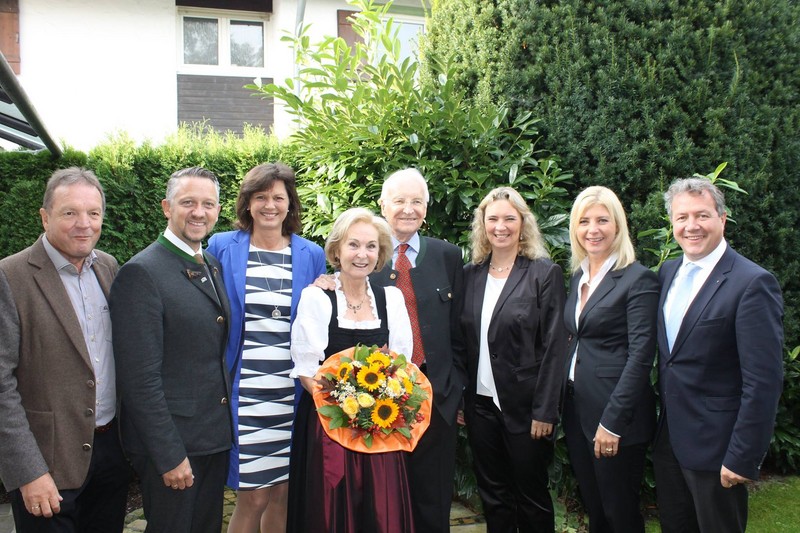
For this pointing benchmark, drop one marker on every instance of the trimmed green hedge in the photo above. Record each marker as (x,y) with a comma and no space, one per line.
(134,178)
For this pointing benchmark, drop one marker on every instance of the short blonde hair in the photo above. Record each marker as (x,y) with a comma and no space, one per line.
(622,245)
(531,244)
(347,220)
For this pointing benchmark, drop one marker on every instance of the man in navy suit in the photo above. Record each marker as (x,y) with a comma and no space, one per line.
(720,340)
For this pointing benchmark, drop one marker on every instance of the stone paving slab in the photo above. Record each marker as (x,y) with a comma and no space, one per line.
(6,519)
(462,519)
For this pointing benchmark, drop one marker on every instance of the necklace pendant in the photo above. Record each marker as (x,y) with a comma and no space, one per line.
(276,313)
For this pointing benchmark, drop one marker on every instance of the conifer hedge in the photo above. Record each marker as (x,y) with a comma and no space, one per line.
(633,94)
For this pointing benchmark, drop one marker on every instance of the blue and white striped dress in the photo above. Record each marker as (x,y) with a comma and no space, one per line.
(266,392)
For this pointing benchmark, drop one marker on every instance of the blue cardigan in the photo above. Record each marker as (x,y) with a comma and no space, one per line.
(231,248)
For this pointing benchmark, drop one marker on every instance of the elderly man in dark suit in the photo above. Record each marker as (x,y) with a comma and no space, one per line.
(430,274)
(720,341)
(60,459)
(170,315)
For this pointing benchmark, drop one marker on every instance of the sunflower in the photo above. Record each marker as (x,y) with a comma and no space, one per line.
(345,369)
(408,385)
(379,358)
(371,377)
(384,413)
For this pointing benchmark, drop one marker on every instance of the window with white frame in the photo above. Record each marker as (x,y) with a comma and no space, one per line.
(409,30)
(214,39)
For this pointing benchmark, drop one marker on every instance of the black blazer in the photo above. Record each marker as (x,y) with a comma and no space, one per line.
(169,346)
(720,385)
(438,285)
(616,342)
(526,337)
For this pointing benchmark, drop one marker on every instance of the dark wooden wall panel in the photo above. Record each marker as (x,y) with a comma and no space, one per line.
(222,102)
(259,6)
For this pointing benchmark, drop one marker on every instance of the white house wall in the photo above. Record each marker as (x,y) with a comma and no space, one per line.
(93,68)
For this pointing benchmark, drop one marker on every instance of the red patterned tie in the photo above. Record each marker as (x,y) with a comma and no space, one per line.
(403,266)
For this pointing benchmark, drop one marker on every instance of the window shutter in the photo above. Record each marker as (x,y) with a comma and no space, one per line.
(346,27)
(9,32)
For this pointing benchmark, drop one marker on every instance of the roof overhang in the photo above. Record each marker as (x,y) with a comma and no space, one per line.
(19,122)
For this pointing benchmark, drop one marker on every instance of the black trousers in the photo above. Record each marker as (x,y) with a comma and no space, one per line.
(97,506)
(197,509)
(609,486)
(511,470)
(431,469)
(692,501)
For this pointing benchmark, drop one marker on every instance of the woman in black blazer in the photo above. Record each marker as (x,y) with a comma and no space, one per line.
(609,404)
(515,345)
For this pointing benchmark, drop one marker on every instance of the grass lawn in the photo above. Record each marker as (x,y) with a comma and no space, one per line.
(774,507)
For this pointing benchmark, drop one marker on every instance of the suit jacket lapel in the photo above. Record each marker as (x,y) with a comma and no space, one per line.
(514,278)
(477,294)
(670,269)
(240,256)
(707,291)
(301,261)
(220,295)
(56,295)
(572,301)
(104,276)
(606,285)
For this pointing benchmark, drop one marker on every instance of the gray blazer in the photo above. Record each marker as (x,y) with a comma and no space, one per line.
(47,388)
(170,328)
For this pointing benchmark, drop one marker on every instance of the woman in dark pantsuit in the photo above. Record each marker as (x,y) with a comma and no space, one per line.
(515,345)
(609,404)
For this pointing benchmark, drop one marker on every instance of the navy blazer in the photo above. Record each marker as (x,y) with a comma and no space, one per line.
(438,280)
(721,383)
(527,340)
(616,342)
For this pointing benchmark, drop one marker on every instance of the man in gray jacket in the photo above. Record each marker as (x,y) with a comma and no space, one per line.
(61,458)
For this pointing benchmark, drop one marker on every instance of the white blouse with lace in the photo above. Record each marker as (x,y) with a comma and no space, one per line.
(310,327)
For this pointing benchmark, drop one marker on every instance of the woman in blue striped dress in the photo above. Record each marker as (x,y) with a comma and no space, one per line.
(265,266)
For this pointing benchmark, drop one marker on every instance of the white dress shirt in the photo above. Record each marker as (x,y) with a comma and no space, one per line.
(706,265)
(411,252)
(486,385)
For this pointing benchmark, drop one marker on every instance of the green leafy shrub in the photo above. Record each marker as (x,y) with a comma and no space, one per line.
(362,114)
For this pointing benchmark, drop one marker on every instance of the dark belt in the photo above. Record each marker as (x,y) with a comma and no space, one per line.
(105,427)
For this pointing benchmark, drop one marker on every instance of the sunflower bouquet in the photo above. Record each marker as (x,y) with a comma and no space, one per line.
(372,392)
